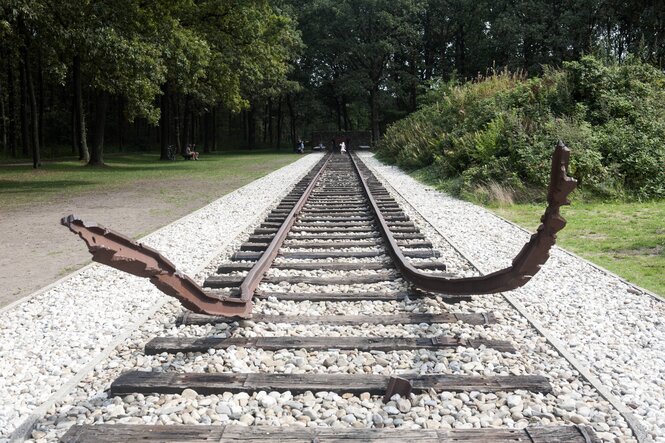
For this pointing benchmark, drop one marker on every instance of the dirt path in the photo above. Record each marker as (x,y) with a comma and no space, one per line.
(36,250)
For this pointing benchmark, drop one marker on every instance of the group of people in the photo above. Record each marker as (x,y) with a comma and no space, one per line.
(300,146)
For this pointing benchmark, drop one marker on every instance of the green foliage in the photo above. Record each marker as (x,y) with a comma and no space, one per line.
(127,66)
(252,46)
(201,53)
(502,129)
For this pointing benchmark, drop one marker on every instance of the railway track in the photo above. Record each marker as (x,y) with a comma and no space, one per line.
(339,241)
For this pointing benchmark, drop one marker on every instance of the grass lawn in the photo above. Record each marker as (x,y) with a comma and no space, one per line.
(21,185)
(626,238)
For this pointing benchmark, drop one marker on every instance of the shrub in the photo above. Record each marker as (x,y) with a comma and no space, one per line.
(498,132)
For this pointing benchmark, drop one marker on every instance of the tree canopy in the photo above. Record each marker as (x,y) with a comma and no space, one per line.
(181,71)
(149,57)
(368,62)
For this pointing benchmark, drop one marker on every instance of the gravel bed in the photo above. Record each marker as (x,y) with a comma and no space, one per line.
(614,328)
(571,401)
(47,339)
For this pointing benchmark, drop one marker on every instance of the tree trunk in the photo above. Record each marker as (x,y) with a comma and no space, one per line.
(213,117)
(175,108)
(279,123)
(270,129)
(3,118)
(75,136)
(413,89)
(97,151)
(186,123)
(460,52)
(345,113)
(427,40)
(528,54)
(121,122)
(25,132)
(292,118)
(243,116)
(84,154)
(34,127)
(265,124)
(206,132)
(251,127)
(40,79)
(12,109)
(338,113)
(374,109)
(164,118)
(193,122)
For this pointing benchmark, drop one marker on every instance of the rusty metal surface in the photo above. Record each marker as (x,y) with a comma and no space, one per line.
(255,275)
(114,249)
(526,263)
(397,385)
(118,251)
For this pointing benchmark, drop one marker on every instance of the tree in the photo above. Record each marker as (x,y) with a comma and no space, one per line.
(21,24)
(355,44)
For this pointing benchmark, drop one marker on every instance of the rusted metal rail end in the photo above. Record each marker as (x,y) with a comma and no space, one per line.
(114,249)
(526,263)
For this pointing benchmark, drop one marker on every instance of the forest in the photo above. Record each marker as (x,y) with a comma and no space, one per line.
(79,77)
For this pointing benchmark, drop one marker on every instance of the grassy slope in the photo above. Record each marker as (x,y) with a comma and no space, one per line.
(625,238)
(21,185)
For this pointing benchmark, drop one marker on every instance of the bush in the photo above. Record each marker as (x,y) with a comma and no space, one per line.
(499,132)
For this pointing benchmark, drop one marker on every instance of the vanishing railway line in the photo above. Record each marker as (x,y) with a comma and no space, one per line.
(338,228)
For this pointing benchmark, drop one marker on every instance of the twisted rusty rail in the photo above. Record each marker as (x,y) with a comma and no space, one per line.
(118,251)
(526,263)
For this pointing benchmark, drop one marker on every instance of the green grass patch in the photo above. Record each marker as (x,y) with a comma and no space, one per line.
(626,238)
(143,172)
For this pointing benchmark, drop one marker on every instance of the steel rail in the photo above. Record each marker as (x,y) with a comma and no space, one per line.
(118,251)
(256,274)
(526,263)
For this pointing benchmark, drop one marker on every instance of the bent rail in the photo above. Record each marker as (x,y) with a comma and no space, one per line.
(526,263)
(118,251)
(114,249)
